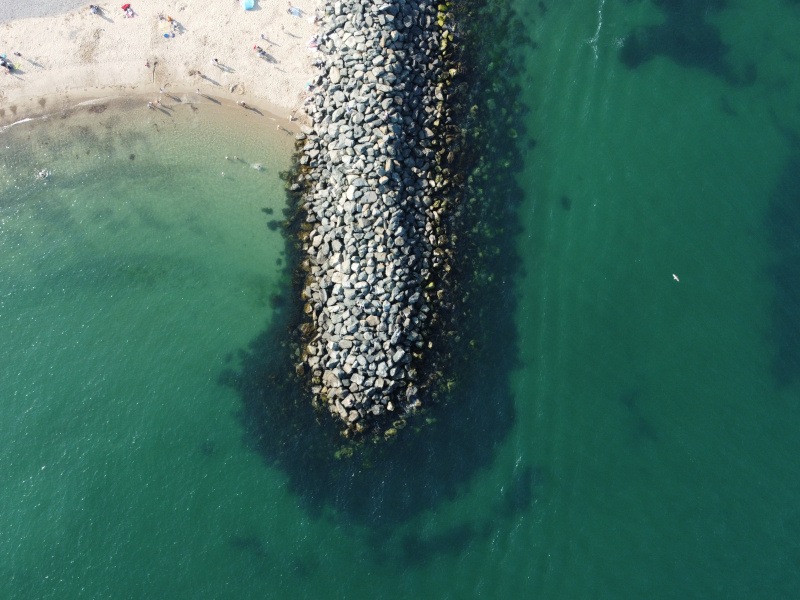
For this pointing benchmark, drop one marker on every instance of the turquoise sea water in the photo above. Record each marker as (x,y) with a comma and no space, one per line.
(650,449)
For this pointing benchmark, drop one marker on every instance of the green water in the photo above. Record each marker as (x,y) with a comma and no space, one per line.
(128,284)
(651,444)
(653,403)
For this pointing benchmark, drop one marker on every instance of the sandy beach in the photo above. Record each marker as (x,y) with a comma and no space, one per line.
(170,45)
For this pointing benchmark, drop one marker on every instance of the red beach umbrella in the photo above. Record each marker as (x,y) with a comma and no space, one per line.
(126,6)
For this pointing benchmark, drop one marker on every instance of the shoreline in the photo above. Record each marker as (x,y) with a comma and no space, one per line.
(109,125)
(79,55)
(60,105)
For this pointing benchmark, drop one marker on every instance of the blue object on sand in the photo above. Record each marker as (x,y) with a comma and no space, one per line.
(248,4)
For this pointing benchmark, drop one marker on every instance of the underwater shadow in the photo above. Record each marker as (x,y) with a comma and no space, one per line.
(688,39)
(436,453)
(376,484)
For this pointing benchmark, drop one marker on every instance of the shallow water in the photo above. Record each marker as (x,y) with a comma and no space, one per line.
(650,448)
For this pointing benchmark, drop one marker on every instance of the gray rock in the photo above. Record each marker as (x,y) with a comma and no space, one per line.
(374,228)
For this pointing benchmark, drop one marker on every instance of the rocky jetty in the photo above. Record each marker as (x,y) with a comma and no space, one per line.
(375,192)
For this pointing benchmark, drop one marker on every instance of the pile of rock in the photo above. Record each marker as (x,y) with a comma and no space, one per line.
(374,244)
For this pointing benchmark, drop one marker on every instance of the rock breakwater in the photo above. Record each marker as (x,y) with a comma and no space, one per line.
(375,195)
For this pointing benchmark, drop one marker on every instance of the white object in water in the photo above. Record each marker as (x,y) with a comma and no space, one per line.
(258,166)
(675,277)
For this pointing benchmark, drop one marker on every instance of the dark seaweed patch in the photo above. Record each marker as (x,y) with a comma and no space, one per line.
(208,448)
(687,38)
(783,223)
(641,426)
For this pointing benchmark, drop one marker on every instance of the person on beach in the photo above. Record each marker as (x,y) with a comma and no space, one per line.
(94,9)
(243,104)
(215,62)
(261,52)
